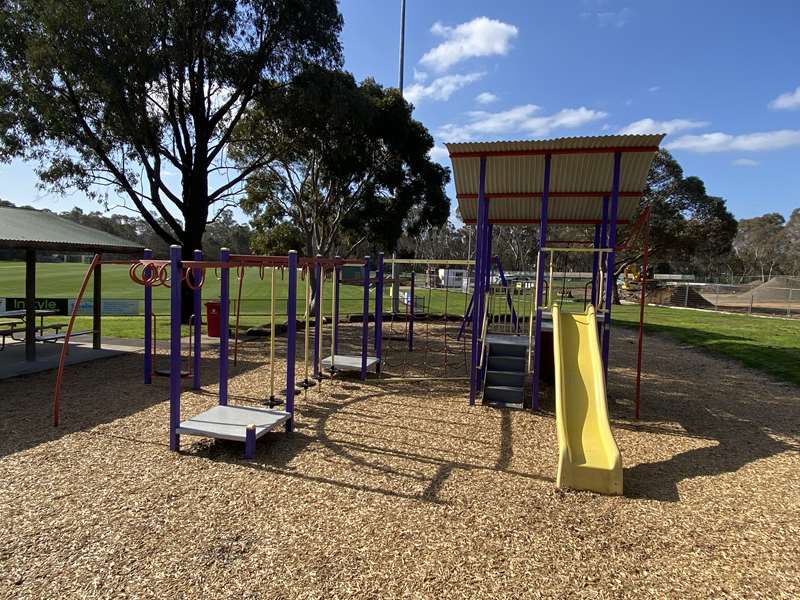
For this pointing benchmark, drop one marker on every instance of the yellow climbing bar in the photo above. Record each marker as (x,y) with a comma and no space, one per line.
(588,455)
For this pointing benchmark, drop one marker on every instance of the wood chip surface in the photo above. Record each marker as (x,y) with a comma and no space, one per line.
(399,489)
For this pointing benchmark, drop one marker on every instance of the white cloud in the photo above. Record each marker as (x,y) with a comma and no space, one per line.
(787,101)
(609,18)
(420,76)
(480,37)
(745,162)
(653,88)
(519,121)
(440,88)
(485,98)
(439,154)
(749,142)
(652,126)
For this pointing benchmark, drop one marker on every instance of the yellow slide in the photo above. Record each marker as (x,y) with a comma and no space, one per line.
(588,455)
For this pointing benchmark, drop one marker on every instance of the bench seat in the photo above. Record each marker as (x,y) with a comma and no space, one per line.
(54,337)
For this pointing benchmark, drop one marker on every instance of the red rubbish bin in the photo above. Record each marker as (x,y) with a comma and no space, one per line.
(212,318)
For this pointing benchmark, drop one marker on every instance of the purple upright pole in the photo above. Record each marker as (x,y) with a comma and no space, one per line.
(477,304)
(250,442)
(198,325)
(317,313)
(612,243)
(595,265)
(148,321)
(291,335)
(486,265)
(336,281)
(537,336)
(509,301)
(224,332)
(365,322)
(379,311)
(411,313)
(175,348)
(603,238)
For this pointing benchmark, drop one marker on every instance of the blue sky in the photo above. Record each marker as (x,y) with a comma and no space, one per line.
(721,77)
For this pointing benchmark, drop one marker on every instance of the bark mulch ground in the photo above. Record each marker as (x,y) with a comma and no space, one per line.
(398,489)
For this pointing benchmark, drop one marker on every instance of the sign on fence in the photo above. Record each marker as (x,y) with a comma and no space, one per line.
(111,307)
(57,304)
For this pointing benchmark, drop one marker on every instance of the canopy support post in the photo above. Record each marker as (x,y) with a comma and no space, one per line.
(612,243)
(30,305)
(537,336)
(477,308)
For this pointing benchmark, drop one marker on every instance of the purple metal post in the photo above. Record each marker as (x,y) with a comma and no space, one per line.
(291,335)
(379,311)
(411,313)
(612,243)
(250,443)
(509,301)
(175,347)
(224,332)
(148,321)
(477,308)
(467,313)
(337,280)
(595,266)
(318,272)
(198,324)
(365,322)
(537,336)
(486,265)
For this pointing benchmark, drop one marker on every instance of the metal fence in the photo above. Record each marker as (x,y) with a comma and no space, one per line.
(776,297)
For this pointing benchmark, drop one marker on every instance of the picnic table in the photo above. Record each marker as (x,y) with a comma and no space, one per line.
(13,321)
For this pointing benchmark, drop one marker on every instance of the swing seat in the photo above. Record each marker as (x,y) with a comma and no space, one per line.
(230,422)
(165,373)
(348,362)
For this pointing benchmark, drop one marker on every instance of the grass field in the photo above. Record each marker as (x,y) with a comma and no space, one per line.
(770,345)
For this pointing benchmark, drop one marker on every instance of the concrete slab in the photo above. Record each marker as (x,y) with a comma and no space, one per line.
(13,363)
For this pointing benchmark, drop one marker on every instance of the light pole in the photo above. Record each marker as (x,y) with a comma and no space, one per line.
(395,283)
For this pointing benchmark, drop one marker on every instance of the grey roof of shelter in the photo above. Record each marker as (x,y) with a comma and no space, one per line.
(581,172)
(24,228)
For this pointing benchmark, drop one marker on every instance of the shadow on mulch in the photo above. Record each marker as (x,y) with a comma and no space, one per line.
(722,409)
(275,451)
(739,442)
(92,395)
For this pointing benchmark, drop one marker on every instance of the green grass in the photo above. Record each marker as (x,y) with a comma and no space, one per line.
(769,345)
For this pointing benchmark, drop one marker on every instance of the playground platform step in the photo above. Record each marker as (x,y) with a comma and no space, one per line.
(504,349)
(505,378)
(230,422)
(503,395)
(506,363)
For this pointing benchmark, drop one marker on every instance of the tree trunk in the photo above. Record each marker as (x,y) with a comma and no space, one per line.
(195,216)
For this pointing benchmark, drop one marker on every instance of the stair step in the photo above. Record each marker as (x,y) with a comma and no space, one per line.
(506,363)
(502,349)
(504,393)
(505,378)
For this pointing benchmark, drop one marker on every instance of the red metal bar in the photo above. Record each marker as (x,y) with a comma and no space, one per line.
(122,261)
(65,347)
(543,151)
(642,286)
(535,195)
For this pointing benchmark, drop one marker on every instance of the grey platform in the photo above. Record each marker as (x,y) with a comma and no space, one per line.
(348,362)
(230,422)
